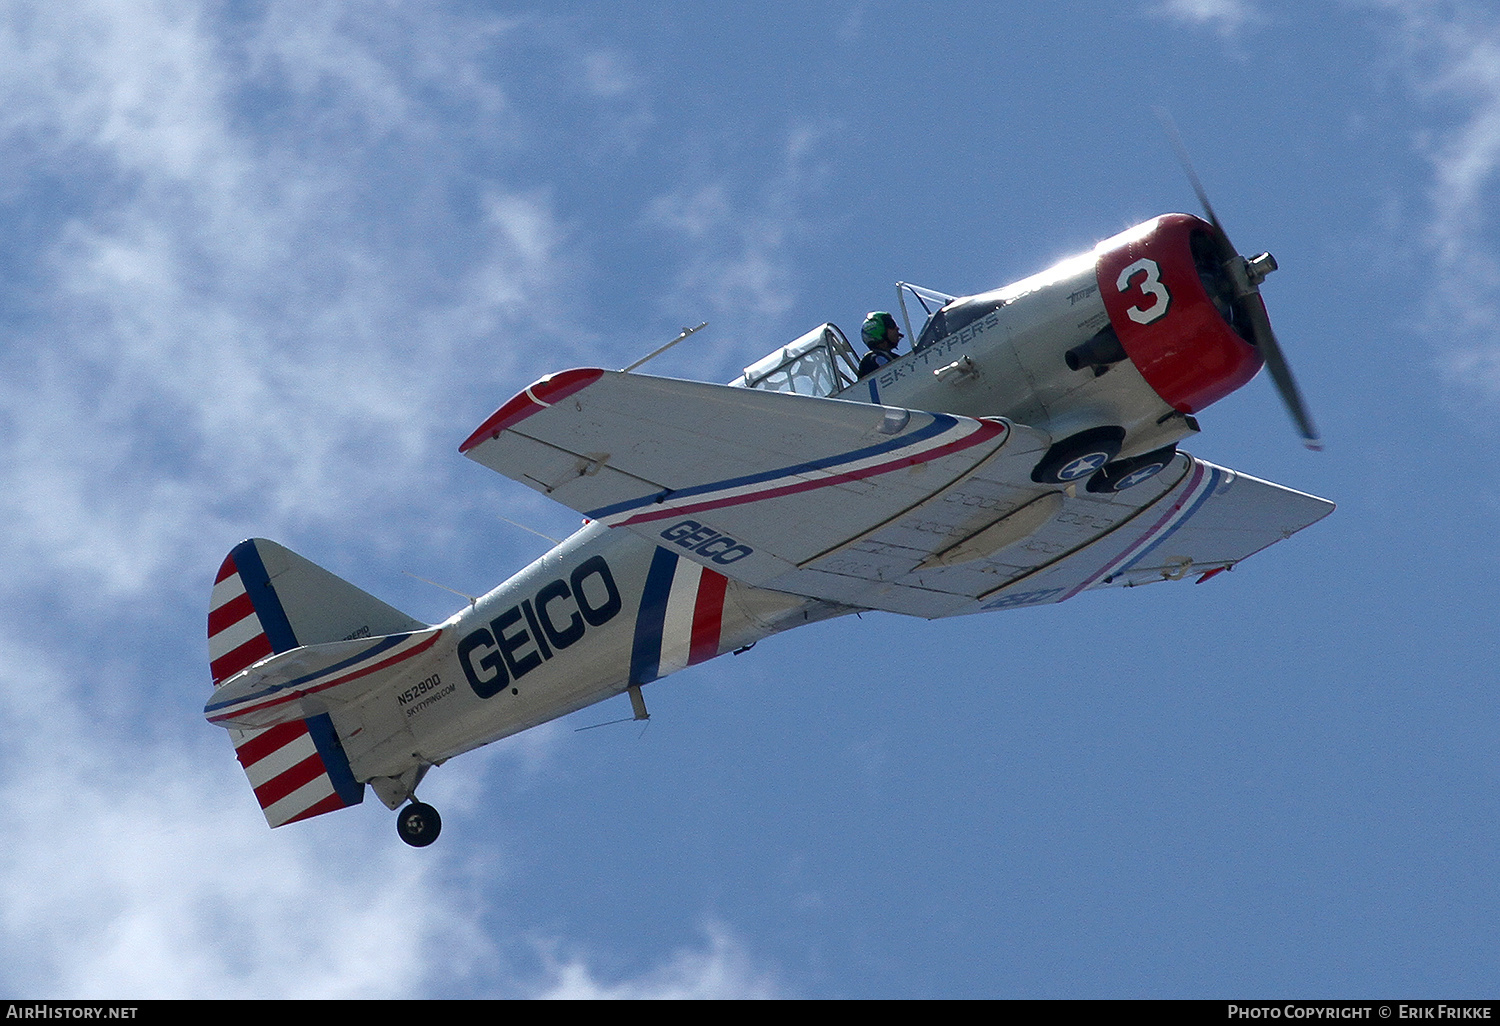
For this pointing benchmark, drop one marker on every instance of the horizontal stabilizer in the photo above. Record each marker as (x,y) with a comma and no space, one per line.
(297,769)
(310,680)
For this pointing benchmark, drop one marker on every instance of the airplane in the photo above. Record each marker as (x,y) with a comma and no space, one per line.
(1022,452)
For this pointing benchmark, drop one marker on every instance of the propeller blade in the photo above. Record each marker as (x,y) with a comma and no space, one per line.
(1175,138)
(1247,296)
(1281,373)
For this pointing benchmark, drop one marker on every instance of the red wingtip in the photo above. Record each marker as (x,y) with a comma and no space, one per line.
(541,394)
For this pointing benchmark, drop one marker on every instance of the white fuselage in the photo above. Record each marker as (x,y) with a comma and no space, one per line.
(1016,368)
(601,611)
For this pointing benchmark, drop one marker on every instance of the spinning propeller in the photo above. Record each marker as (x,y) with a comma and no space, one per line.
(1245,276)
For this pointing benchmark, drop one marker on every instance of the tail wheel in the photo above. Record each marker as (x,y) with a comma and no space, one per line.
(419,824)
(1079,456)
(1123,474)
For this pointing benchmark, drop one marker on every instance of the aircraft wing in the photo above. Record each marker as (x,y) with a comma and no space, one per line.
(1193,520)
(749,482)
(874,507)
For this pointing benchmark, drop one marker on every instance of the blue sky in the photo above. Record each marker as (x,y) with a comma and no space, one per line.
(266,264)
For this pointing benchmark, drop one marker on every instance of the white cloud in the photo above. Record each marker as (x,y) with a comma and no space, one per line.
(721,971)
(1226,17)
(142,871)
(737,260)
(247,298)
(606,73)
(234,316)
(1451,55)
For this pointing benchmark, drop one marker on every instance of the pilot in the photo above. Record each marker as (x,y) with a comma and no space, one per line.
(882,336)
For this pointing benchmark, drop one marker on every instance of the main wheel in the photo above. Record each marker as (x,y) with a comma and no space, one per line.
(1127,473)
(419,824)
(1079,456)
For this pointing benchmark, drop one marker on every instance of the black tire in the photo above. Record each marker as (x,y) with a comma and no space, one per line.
(419,824)
(1079,456)
(1123,474)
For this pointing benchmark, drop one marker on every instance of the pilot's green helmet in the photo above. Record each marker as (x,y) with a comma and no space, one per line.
(877,324)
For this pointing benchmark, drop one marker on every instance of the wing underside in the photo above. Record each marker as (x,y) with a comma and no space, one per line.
(926,514)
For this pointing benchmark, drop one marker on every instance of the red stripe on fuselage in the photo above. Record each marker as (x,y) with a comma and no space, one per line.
(708,617)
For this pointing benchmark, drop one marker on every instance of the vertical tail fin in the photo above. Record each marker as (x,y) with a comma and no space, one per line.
(267,599)
(237,624)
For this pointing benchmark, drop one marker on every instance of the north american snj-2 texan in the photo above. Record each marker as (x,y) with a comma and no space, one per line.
(1023,451)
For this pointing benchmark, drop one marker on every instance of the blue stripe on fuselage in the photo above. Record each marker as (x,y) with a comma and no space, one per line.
(645,653)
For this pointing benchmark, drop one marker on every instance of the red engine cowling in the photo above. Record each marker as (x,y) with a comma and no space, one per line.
(1174,310)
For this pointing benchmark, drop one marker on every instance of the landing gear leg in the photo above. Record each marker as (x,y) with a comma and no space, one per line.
(419,824)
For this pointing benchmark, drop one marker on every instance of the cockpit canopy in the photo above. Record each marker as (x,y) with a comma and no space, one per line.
(823,363)
(819,363)
(958,315)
